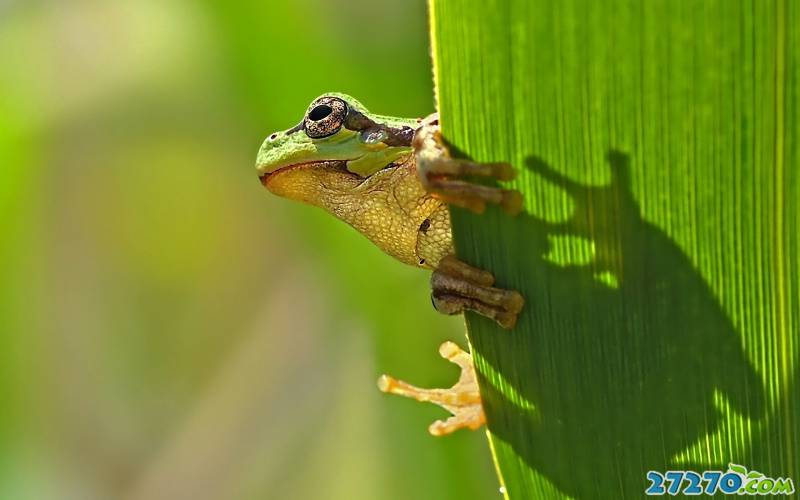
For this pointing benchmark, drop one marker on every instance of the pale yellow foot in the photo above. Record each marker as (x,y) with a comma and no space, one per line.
(462,400)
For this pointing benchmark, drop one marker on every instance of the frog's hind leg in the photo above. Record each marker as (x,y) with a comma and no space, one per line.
(442,175)
(458,286)
(463,400)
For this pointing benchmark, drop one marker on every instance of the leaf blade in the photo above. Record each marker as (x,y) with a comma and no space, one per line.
(662,134)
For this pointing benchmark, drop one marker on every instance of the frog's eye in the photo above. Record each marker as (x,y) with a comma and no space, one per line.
(325,117)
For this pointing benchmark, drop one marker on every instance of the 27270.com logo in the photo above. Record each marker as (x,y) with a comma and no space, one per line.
(737,480)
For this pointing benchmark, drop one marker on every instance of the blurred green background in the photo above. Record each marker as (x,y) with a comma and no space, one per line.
(169,328)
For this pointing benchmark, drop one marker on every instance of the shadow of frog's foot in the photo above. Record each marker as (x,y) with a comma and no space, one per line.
(462,400)
(457,286)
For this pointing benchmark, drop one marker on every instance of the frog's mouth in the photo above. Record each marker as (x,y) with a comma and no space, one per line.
(314,182)
(330,165)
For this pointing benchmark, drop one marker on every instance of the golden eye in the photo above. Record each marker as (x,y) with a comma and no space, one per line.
(325,117)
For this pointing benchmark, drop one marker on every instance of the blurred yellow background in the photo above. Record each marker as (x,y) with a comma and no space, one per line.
(170,330)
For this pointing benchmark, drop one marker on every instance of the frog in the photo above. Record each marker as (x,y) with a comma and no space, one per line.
(393,180)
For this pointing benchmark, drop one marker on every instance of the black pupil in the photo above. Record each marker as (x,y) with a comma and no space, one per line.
(320,112)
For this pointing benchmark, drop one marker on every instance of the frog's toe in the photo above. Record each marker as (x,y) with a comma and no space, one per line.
(457,286)
(454,304)
(444,165)
(443,177)
(462,400)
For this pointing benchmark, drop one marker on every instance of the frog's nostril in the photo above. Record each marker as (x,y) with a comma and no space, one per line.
(273,137)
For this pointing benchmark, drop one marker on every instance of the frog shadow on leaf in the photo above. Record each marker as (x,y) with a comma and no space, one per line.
(623,375)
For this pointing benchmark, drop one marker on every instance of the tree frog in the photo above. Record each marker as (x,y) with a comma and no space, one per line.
(392,180)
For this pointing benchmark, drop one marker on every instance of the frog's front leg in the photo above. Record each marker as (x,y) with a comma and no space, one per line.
(456,285)
(463,400)
(443,176)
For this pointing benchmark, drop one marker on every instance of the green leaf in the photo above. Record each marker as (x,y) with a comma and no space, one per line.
(662,138)
(739,469)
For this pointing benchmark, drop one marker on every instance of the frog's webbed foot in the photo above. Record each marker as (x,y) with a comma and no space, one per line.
(442,175)
(458,286)
(463,400)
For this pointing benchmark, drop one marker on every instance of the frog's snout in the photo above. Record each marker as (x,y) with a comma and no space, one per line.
(273,140)
(269,148)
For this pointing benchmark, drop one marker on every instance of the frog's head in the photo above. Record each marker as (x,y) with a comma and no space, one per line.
(336,145)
